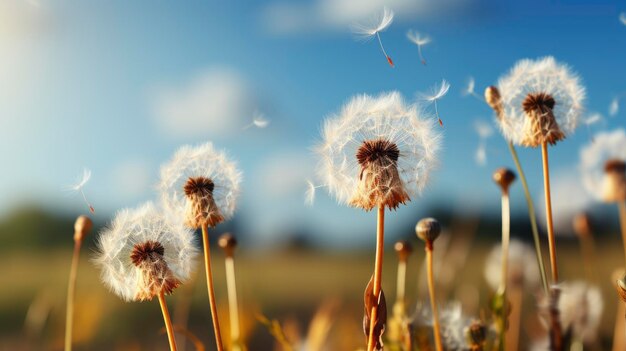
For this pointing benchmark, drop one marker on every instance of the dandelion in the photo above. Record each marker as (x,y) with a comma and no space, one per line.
(258,120)
(607,153)
(82,227)
(80,184)
(419,40)
(201,185)
(229,243)
(142,255)
(437,94)
(368,31)
(484,131)
(581,308)
(428,230)
(375,153)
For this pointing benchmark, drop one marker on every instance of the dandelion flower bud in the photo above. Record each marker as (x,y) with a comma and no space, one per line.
(582,225)
(621,288)
(82,227)
(228,243)
(494,100)
(614,184)
(404,249)
(476,333)
(504,177)
(428,229)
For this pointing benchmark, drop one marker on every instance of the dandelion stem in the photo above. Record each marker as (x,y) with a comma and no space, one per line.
(401,284)
(71,289)
(232,299)
(209,282)
(550,225)
(506,228)
(515,294)
(587,248)
(622,222)
(378,273)
(168,322)
(619,334)
(532,216)
(431,290)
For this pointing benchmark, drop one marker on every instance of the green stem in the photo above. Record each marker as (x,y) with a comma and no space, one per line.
(531,214)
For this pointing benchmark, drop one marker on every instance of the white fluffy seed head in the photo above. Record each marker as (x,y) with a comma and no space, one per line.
(202,161)
(522,266)
(384,117)
(132,227)
(605,146)
(541,76)
(580,307)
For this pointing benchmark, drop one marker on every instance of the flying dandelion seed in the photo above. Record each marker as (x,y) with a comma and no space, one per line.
(438,93)
(80,185)
(419,40)
(484,131)
(614,107)
(470,89)
(622,18)
(310,193)
(369,31)
(258,120)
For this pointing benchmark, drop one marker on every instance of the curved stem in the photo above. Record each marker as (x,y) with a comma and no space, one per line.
(232,299)
(209,283)
(532,216)
(549,223)
(378,272)
(433,300)
(71,289)
(168,322)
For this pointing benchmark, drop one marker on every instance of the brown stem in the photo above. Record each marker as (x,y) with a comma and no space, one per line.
(622,222)
(556,333)
(209,282)
(168,322)
(587,248)
(431,291)
(546,186)
(619,336)
(515,294)
(378,272)
(71,289)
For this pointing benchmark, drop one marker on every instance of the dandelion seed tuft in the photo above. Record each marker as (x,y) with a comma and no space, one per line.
(419,40)
(601,166)
(437,94)
(375,28)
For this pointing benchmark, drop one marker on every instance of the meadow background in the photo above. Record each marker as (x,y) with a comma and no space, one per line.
(118,86)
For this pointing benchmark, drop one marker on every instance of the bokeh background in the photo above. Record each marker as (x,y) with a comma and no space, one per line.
(118,86)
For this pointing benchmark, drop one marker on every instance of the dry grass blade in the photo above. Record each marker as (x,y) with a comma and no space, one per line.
(276,330)
(375,314)
(197,343)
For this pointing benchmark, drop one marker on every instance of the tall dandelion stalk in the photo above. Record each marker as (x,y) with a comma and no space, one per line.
(374,153)
(143,255)
(200,185)
(504,177)
(428,229)
(584,231)
(82,227)
(541,102)
(228,243)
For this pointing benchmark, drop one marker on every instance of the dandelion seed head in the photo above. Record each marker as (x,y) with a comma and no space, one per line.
(377,151)
(418,39)
(381,23)
(581,306)
(542,101)
(522,267)
(142,254)
(200,184)
(593,158)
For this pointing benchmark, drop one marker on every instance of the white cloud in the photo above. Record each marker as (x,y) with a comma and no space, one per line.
(285,175)
(217,102)
(283,17)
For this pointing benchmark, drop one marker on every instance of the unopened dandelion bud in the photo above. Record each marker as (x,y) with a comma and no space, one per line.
(428,229)
(476,333)
(614,184)
(82,227)
(228,243)
(494,100)
(621,288)
(404,249)
(583,227)
(504,177)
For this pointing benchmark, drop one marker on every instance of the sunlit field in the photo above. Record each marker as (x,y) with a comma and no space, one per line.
(358,175)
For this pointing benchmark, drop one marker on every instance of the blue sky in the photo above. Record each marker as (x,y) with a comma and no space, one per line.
(118,86)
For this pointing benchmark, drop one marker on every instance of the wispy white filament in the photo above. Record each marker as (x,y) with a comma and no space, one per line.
(437,94)
(258,120)
(368,31)
(80,184)
(419,40)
